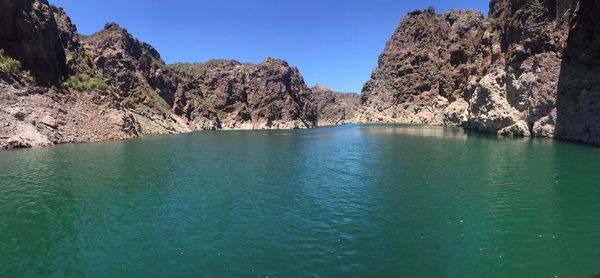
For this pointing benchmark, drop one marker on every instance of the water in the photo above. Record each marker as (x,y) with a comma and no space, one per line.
(380,201)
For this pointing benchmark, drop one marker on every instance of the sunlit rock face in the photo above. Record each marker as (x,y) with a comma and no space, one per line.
(231,95)
(529,69)
(426,68)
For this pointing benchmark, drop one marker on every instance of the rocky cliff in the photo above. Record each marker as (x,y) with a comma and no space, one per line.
(529,69)
(577,112)
(425,69)
(518,95)
(232,95)
(29,33)
(58,86)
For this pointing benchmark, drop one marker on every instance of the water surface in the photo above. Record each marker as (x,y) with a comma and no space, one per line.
(380,201)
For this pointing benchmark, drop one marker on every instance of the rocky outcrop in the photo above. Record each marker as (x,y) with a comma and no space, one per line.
(125,62)
(426,66)
(138,79)
(187,97)
(37,117)
(530,69)
(524,74)
(77,59)
(232,95)
(334,108)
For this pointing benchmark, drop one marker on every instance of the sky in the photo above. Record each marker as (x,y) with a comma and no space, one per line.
(335,43)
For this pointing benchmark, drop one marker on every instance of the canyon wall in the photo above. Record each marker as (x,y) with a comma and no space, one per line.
(57,86)
(529,69)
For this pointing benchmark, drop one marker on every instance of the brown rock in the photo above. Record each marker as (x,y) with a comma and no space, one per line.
(234,95)
(77,60)
(531,69)
(49,121)
(426,65)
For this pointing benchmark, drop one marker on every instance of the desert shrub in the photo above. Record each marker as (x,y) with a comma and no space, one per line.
(10,67)
(8,64)
(85,82)
(156,100)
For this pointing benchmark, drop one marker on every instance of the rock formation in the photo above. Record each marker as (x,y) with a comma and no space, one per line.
(58,86)
(529,69)
(232,95)
(137,78)
(518,95)
(577,115)
(425,69)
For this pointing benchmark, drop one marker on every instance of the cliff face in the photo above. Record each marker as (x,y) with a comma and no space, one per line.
(425,69)
(530,70)
(57,86)
(44,49)
(137,78)
(578,98)
(232,95)
(77,60)
(519,94)
(29,33)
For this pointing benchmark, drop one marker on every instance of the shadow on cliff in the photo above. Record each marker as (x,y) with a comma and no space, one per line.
(578,95)
(30,34)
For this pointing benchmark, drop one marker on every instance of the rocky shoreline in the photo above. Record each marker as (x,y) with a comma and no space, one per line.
(528,69)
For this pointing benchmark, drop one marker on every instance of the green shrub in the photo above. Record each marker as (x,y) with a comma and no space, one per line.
(156,100)
(8,64)
(130,101)
(85,82)
(12,67)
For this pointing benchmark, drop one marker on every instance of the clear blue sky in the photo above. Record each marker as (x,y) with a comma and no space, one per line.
(332,42)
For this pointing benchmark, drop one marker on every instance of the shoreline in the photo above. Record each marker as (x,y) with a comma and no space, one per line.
(499,136)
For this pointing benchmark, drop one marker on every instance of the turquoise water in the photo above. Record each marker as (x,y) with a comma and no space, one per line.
(367,201)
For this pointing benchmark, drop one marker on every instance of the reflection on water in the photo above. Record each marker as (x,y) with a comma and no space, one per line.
(419,131)
(368,200)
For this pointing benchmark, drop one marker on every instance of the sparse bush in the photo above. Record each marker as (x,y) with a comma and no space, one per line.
(12,67)
(85,82)
(156,100)
(8,64)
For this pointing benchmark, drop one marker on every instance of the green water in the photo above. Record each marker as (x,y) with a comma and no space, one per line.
(367,201)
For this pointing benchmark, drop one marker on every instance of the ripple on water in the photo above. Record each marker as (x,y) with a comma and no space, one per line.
(361,200)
